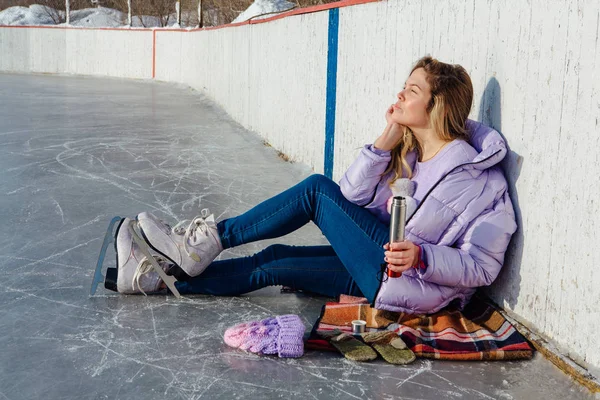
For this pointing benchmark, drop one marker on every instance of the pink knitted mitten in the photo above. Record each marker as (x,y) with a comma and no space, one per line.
(281,335)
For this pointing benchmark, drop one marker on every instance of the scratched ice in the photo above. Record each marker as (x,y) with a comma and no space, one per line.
(77,151)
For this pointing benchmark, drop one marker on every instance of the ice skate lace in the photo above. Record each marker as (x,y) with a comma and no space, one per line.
(197,226)
(143,267)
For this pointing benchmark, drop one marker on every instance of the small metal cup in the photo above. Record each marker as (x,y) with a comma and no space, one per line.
(358,326)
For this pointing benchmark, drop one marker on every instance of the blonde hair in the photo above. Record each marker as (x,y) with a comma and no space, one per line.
(449,107)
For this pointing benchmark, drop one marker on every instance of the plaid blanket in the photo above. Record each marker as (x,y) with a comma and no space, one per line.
(478,332)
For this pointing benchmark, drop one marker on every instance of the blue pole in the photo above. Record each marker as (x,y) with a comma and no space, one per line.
(332,53)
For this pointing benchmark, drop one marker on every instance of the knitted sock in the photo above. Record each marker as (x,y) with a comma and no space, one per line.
(352,348)
(389,345)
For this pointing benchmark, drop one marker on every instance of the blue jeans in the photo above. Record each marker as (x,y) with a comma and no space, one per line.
(351,265)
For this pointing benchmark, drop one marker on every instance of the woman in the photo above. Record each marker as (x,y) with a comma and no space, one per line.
(455,240)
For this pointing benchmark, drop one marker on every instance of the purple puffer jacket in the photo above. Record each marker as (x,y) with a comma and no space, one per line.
(463,224)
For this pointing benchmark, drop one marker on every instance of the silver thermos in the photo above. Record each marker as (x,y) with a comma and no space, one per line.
(397,224)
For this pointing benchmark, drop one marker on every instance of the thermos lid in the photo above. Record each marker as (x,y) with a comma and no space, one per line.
(358,326)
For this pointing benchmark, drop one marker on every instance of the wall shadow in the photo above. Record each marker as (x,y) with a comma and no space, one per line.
(507,286)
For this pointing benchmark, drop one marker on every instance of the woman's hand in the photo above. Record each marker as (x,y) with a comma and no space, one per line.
(391,134)
(402,256)
(388,115)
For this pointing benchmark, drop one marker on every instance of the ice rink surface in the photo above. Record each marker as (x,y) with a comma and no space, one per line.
(76,152)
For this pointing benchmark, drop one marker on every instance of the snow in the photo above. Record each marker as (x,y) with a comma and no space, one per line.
(104,17)
(34,15)
(110,18)
(262,7)
(40,15)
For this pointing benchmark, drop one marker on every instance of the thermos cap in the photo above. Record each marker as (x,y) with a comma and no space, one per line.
(358,326)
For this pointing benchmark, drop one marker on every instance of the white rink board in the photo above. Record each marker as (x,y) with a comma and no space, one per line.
(259,74)
(102,52)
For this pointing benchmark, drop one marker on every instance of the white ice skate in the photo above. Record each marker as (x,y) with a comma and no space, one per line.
(138,268)
(190,248)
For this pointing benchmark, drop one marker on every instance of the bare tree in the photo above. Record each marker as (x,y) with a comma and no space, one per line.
(163,9)
(200,16)
(308,3)
(53,9)
(12,3)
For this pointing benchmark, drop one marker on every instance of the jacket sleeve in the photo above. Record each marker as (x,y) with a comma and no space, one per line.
(360,181)
(479,253)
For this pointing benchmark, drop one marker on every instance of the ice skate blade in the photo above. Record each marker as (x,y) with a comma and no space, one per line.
(108,239)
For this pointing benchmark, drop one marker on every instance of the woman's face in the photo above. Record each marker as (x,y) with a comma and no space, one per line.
(411,108)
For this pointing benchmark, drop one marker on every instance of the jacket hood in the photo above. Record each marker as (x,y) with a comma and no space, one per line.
(490,145)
